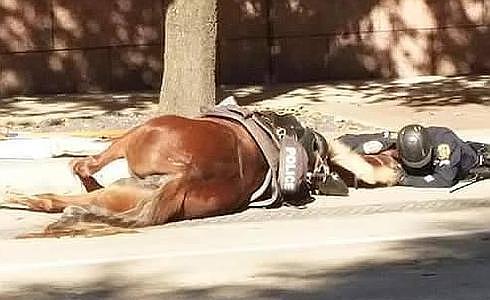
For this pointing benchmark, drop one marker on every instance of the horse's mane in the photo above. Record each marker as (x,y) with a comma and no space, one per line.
(377,171)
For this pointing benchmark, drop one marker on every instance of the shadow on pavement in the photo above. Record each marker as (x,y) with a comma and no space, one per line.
(442,268)
(417,92)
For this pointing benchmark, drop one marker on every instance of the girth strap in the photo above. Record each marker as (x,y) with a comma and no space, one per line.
(267,143)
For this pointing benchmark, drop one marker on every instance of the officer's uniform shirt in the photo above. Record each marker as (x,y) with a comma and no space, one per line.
(452,158)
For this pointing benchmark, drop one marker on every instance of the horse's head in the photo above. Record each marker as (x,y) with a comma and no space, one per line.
(316,148)
(313,142)
(308,149)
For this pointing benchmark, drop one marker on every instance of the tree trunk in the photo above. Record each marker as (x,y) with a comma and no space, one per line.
(189,77)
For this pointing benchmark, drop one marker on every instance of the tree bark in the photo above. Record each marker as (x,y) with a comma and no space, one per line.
(189,77)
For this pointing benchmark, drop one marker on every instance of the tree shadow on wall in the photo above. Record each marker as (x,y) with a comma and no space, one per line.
(48,46)
(116,44)
(357,40)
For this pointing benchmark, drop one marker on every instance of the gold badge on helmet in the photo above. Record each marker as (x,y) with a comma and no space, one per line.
(443,152)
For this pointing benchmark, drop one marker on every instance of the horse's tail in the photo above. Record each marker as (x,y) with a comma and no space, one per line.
(79,221)
(94,220)
(342,156)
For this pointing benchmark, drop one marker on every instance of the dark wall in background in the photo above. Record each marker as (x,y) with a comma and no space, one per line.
(67,46)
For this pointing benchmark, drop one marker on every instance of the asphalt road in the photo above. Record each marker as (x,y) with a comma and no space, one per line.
(321,252)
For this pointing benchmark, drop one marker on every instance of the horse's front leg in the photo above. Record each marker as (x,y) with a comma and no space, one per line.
(87,166)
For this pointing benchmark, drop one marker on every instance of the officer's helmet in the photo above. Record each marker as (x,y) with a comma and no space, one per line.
(414,146)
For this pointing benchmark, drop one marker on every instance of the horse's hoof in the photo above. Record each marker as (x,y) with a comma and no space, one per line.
(84,167)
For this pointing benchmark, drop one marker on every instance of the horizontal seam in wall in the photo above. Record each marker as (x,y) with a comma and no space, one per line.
(319,35)
(79,48)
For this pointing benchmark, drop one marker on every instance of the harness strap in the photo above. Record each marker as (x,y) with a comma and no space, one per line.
(266,142)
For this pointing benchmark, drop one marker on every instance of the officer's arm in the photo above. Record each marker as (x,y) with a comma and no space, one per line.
(436,180)
(368,143)
(444,175)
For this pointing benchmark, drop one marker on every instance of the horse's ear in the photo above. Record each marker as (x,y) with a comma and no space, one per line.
(230,100)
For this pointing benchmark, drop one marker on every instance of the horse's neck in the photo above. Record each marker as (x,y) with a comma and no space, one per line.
(372,169)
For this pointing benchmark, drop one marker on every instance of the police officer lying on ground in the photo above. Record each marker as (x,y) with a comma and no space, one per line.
(430,156)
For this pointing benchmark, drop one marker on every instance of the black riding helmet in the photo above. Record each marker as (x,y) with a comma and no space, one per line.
(414,146)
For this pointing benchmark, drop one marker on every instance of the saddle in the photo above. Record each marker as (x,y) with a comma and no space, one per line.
(293,153)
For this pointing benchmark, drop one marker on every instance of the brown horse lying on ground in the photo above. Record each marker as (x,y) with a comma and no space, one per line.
(184,168)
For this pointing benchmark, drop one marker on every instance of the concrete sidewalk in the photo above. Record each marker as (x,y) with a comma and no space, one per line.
(461,103)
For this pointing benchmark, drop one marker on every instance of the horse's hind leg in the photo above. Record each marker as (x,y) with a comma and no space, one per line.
(127,203)
(157,207)
(188,199)
(121,196)
(52,202)
(176,200)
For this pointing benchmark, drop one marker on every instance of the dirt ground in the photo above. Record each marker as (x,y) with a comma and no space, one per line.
(105,122)
(72,113)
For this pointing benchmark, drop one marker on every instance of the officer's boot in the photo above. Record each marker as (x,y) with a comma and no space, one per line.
(483,152)
(486,155)
(480,173)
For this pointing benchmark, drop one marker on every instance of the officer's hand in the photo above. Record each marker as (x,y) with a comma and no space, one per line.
(480,172)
